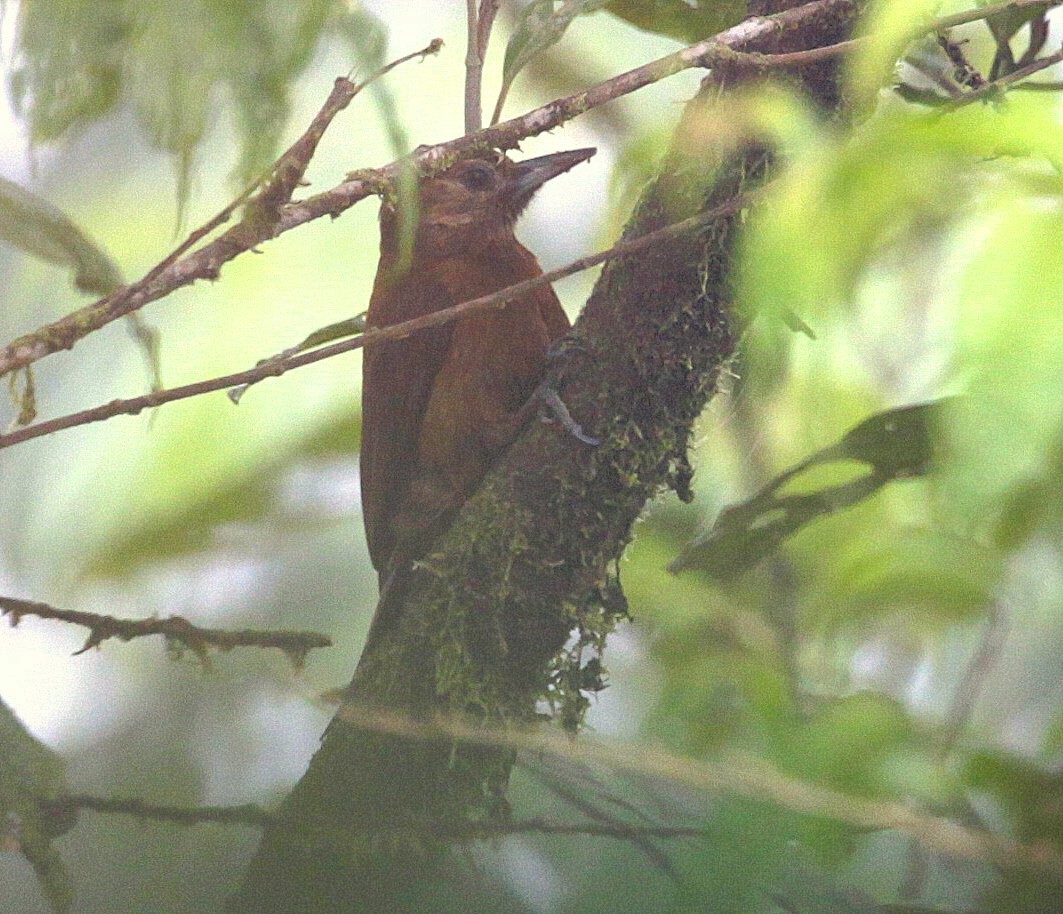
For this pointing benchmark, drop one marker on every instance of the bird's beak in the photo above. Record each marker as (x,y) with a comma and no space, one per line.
(525,178)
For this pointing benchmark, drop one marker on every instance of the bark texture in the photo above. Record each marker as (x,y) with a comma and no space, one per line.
(484,629)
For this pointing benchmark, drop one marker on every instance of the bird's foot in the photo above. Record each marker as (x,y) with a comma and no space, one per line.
(551,399)
(562,351)
(565,347)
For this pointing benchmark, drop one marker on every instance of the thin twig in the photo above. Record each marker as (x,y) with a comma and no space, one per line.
(277,185)
(175,629)
(971,686)
(827,52)
(280,180)
(727,47)
(276,367)
(543,826)
(736,773)
(1053,86)
(997,86)
(552,782)
(255,816)
(982,12)
(488,10)
(245,814)
(474,66)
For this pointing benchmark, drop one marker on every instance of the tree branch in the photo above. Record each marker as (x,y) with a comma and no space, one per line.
(66,806)
(474,67)
(272,368)
(528,559)
(994,87)
(205,263)
(175,629)
(275,188)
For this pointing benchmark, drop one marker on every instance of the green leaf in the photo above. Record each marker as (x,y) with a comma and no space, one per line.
(31,772)
(932,574)
(35,226)
(896,443)
(679,19)
(845,743)
(328,334)
(750,531)
(539,26)
(76,61)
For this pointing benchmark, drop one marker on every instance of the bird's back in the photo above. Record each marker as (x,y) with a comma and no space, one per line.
(439,406)
(430,401)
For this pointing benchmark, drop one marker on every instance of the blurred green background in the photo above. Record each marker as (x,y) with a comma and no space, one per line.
(907,649)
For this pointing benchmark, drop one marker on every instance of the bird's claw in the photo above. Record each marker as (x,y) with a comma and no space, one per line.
(564,347)
(559,411)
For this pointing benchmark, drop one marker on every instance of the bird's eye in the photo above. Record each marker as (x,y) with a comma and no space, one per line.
(477,176)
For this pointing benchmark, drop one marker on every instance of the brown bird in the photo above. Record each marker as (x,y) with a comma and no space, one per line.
(438,407)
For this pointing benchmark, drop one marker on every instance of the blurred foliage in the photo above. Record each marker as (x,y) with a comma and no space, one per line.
(76,61)
(187,515)
(895,444)
(685,21)
(921,250)
(539,25)
(29,771)
(34,225)
(906,649)
(888,27)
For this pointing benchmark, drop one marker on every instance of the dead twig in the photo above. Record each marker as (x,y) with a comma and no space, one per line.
(730,47)
(272,368)
(274,189)
(177,631)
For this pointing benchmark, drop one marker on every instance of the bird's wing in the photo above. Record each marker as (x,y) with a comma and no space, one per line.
(553,315)
(397,382)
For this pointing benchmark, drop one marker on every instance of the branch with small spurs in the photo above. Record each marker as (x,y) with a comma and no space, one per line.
(307,352)
(270,213)
(178,632)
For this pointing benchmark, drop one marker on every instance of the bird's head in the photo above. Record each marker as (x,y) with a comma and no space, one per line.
(475,202)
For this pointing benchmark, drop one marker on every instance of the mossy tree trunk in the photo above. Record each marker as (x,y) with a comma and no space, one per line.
(482,633)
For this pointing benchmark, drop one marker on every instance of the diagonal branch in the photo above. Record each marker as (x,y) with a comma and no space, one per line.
(1013,79)
(531,556)
(264,198)
(273,368)
(725,48)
